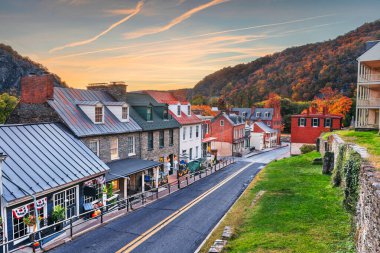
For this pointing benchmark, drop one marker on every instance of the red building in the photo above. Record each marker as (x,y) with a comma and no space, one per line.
(229,131)
(270,117)
(306,128)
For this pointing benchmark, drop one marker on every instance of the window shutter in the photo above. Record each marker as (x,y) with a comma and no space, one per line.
(299,121)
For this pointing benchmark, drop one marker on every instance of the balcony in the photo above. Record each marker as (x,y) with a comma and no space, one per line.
(371,78)
(373,102)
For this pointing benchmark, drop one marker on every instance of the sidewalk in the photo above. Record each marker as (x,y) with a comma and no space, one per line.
(257,152)
(82,226)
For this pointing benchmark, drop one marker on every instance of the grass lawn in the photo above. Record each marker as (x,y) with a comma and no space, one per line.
(299,212)
(370,140)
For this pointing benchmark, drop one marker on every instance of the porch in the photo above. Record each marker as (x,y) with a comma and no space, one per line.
(367,118)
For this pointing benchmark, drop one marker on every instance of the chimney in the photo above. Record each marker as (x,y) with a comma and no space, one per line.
(37,89)
(313,110)
(307,111)
(117,90)
(325,110)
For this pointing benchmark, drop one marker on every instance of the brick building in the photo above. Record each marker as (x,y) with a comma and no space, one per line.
(229,131)
(306,128)
(262,136)
(270,117)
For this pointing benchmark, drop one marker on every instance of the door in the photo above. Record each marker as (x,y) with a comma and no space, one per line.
(68,200)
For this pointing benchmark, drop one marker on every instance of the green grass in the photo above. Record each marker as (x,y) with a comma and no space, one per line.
(369,139)
(300,212)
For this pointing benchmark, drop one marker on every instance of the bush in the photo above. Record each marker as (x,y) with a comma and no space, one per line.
(351,171)
(338,167)
(307,149)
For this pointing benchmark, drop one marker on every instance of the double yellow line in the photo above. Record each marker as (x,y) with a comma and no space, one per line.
(156,228)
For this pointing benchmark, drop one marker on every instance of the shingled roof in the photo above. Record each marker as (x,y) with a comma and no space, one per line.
(262,112)
(66,101)
(43,156)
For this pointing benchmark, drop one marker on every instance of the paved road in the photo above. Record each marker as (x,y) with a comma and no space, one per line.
(185,232)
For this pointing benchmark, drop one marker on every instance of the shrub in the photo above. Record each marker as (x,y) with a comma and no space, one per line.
(307,148)
(351,171)
(58,213)
(337,172)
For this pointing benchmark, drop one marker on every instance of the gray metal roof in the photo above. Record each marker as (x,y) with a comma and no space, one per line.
(236,119)
(43,156)
(262,112)
(65,104)
(125,167)
(247,111)
(265,128)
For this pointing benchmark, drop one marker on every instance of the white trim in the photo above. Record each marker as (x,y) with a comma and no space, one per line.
(65,198)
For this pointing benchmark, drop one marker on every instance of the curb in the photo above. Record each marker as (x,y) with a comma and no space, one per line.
(266,151)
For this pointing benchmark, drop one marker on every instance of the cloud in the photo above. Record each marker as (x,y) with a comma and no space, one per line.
(174,22)
(117,12)
(88,41)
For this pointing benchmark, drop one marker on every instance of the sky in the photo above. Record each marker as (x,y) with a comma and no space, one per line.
(167,44)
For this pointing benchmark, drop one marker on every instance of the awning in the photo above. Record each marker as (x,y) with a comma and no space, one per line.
(126,167)
(208,139)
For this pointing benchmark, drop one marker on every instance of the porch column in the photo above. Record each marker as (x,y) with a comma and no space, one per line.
(125,187)
(157,174)
(142,182)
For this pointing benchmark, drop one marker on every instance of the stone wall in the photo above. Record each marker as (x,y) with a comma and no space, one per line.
(367,215)
(105,145)
(158,152)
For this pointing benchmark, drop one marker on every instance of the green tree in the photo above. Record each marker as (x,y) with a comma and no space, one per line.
(7,104)
(198,100)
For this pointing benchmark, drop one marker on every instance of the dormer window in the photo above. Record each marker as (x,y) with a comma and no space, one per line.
(149,115)
(267,114)
(188,110)
(125,112)
(258,114)
(179,110)
(166,114)
(99,114)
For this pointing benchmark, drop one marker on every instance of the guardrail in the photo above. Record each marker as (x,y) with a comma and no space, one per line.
(369,78)
(369,102)
(73,225)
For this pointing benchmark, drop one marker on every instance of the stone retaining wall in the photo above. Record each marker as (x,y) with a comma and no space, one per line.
(367,216)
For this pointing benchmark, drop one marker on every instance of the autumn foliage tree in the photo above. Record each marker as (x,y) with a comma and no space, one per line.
(333,101)
(273,101)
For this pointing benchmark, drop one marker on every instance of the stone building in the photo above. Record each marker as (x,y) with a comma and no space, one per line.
(99,117)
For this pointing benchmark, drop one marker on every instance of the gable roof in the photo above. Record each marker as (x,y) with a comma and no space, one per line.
(165,97)
(43,156)
(240,111)
(233,119)
(158,122)
(168,98)
(262,112)
(65,104)
(372,53)
(264,127)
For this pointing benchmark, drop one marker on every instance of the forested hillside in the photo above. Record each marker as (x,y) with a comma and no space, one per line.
(297,73)
(13,66)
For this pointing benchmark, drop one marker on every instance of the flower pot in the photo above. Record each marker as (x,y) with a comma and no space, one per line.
(30,229)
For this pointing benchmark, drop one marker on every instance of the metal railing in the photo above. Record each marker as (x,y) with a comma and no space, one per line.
(73,225)
(369,78)
(373,102)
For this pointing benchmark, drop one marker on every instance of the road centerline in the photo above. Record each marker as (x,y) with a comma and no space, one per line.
(153,230)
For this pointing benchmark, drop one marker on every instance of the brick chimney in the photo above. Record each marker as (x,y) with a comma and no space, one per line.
(118,90)
(325,110)
(37,89)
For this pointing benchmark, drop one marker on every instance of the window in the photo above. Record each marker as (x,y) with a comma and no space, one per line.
(191,154)
(244,114)
(124,112)
(114,149)
(267,114)
(131,146)
(301,122)
(258,114)
(196,131)
(328,122)
(268,123)
(97,185)
(19,227)
(179,110)
(184,133)
(162,138)
(115,185)
(166,114)
(315,122)
(196,151)
(222,123)
(188,110)
(171,137)
(191,132)
(99,114)
(94,146)
(68,200)
(149,116)
(150,140)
